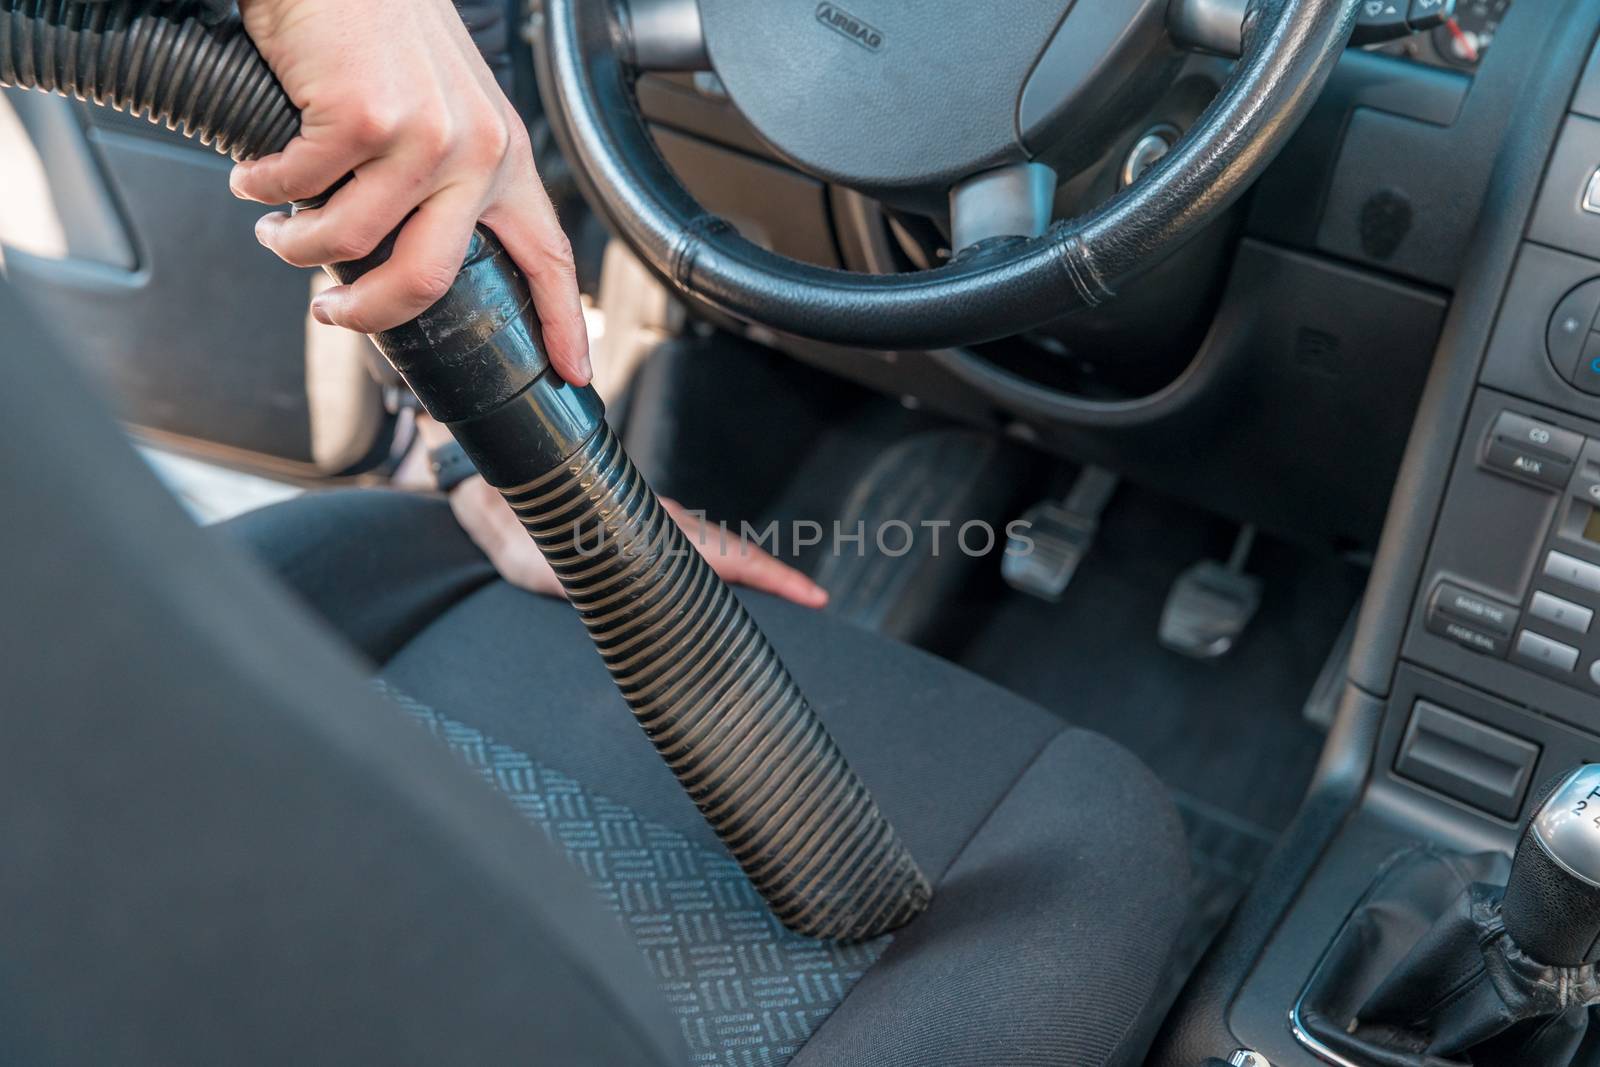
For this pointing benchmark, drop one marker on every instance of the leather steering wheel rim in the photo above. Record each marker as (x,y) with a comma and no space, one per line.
(995,290)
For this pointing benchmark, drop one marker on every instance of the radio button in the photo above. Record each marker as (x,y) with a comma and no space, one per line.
(1573,571)
(1543,652)
(1528,463)
(1467,635)
(1562,613)
(1524,432)
(1484,614)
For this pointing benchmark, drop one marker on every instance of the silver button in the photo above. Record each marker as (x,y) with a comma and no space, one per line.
(1573,571)
(1562,613)
(1537,649)
(1591,195)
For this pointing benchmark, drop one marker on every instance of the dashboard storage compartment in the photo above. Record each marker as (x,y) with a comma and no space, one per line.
(1466,760)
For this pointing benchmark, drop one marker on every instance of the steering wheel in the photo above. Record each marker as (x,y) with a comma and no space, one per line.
(925,104)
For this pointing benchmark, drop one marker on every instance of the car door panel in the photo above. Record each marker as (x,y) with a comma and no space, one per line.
(201,337)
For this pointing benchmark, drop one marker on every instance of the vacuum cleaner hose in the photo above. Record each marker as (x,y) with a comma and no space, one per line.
(148,59)
(700,677)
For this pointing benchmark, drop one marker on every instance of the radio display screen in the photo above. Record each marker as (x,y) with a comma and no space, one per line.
(1591,528)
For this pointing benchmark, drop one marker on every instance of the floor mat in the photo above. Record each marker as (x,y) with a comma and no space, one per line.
(1227,732)
(1226,736)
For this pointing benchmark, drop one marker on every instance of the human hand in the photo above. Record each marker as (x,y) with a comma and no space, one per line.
(396,95)
(494,527)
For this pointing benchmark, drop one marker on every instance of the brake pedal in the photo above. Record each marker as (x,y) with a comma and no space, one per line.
(1211,604)
(1061,535)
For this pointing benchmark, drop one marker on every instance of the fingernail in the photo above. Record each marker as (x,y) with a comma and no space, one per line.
(236,179)
(319,311)
(586,368)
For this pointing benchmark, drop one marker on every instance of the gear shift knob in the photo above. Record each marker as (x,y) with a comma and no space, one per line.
(1551,906)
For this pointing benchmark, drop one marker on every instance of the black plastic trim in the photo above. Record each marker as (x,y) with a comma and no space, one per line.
(1199,1026)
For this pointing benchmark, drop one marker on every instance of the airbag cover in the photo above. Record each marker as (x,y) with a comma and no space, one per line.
(892,98)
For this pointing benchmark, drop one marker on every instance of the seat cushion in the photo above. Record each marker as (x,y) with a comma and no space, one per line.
(744,989)
(1059,862)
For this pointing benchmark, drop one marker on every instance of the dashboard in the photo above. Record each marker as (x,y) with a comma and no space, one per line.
(1475,668)
(1460,44)
(1325,290)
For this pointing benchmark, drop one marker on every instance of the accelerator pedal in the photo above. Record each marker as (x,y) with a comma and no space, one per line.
(1058,536)
(1212,603)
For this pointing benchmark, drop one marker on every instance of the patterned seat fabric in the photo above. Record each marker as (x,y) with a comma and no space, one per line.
(747,991)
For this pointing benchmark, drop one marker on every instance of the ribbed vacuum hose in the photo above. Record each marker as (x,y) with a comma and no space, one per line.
(151,60)
(701,678)
(717,702)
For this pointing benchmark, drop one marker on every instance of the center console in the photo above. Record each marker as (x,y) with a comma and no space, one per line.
(1511,580)
(1508,604)
(1475,674)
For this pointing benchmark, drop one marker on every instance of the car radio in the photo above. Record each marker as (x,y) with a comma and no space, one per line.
(1550,629)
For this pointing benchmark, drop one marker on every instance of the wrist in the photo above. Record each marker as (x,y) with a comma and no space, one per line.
(430,432)
(450,465)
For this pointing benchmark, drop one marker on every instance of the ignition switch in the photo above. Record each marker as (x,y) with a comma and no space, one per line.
(1147,151)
